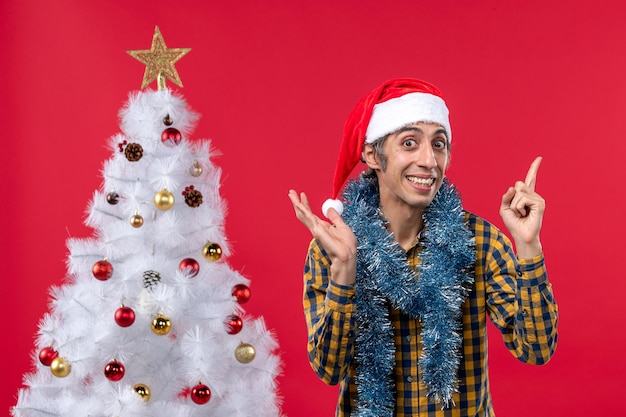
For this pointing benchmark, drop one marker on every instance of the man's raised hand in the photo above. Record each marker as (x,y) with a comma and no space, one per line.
(522,212)
(335,237)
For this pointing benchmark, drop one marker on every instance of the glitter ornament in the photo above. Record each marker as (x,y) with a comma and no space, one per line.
(193,197)
(136,220)
(60,367)
(245,353)
(200,394)
(159,61)
(164,200)
(133,152)
(114,371)
(142,390)
(102,270)
(196,169)
(167,120)
(189,266)
(113,198)
(151,278)
(171,137)
(212,252)
(241,292)
(124,316)
(47,355)
(161,325)
(233,324)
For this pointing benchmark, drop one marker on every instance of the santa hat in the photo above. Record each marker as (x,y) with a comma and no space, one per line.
(391,106)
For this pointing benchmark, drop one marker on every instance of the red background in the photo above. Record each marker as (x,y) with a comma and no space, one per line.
(274,82)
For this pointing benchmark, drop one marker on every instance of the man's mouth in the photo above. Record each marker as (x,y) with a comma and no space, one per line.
(426,182)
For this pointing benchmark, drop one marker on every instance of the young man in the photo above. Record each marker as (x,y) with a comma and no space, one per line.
(399,283)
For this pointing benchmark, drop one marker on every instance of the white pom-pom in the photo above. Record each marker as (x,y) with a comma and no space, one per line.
(335,204)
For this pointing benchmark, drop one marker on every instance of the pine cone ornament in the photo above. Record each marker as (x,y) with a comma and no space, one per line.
(151,278)
(133,152)
(193,197)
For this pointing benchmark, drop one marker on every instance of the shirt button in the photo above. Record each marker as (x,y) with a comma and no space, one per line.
(409,338)
(409,378)
(519,273)
(353,298)
(350,333)
(524,313)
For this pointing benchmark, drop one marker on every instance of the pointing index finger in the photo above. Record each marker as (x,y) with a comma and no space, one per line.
(531,177)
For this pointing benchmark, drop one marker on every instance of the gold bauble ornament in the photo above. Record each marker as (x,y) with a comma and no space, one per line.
(245,353)
(196,169)
(136,220)
(212,252)
(143,391)
(60,367)
(161,325)
(164,200)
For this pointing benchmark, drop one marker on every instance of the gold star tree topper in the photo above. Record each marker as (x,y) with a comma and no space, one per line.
(159,61)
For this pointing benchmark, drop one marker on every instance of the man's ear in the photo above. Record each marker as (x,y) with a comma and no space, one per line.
(370,157)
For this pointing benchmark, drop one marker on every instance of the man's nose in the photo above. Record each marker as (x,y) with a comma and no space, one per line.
(426,157)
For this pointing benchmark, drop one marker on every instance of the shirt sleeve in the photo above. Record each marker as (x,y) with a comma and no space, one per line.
(521,303)
(328,309)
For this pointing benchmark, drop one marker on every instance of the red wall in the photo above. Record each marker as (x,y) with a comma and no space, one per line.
(274,81)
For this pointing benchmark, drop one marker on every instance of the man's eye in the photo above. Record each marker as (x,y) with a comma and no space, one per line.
(408,142)
(440,144)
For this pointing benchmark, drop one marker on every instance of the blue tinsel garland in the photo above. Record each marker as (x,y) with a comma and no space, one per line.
(383,276)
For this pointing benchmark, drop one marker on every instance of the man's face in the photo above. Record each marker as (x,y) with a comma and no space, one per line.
(417,157)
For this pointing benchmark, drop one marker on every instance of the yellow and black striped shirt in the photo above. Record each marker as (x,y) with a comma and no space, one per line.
(515,294)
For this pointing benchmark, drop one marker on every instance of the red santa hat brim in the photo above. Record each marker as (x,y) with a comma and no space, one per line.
(393,114)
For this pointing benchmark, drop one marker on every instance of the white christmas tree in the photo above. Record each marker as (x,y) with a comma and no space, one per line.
(150,322)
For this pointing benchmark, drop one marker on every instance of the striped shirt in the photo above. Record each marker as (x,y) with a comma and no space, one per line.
(515,294)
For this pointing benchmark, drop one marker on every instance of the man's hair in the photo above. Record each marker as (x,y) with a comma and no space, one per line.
(378,146)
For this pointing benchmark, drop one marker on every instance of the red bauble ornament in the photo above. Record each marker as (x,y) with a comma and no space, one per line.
(102,270)
(200,394)
(47,355)
(171,136)
(124,316)
(189,266)
(114,371)
(233,324)
(241,292)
